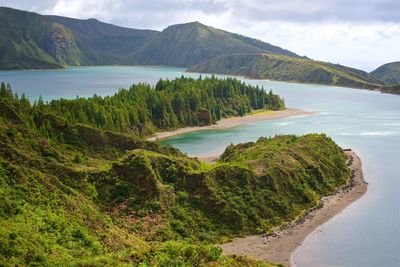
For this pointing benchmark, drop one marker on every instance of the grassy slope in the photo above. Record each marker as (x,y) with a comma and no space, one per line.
(30,41)
(191,43)
(103,43)
(388,73)
(76,195)
(285,68)
(21,41)
(53,210)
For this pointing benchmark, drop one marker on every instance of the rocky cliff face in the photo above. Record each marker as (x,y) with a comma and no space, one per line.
(60,44)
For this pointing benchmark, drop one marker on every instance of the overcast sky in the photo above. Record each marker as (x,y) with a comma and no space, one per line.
(358,33)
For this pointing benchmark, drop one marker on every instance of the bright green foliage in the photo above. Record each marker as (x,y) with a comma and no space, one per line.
(254,187)
(188,254)
(170,104)
(54,210)
(75,195)
(290,69)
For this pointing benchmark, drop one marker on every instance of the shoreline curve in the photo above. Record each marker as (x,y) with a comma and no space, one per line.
(279,247)
(233,122)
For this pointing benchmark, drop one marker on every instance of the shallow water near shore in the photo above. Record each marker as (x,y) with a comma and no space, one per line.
(364,234)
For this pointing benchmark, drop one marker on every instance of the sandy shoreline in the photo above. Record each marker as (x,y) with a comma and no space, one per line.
(233,122)
(278,247)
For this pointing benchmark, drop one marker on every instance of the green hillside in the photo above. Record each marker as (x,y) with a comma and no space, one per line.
(55,42)
(102,43)
(192,43)
(32,41)
(28,41)
(75,195)
(388,73)
(290,69)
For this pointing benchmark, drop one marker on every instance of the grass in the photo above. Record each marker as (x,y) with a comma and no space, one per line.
(133,202)
(260,112)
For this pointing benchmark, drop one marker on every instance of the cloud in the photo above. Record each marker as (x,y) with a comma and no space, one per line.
(359,33)
(300,11)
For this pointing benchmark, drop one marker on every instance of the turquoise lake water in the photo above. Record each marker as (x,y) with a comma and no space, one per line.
(367,233)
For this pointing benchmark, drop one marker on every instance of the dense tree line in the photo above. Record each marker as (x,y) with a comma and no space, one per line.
(169,104)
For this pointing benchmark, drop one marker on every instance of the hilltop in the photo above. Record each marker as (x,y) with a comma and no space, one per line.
(388,73)
(34,41)
(188,44)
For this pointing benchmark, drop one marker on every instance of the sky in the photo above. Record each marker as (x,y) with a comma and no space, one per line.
(358,33)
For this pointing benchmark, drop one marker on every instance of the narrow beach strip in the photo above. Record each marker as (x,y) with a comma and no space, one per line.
(233,122)
(278,247)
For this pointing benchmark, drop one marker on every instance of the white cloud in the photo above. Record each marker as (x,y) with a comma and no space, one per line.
(360,45)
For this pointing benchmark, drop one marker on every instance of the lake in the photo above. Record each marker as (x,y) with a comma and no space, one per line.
(367,233)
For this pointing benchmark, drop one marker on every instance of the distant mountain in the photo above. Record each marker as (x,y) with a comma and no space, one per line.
(102,43)
(192,43)
(291,69)
(27,41)
(32,41)
(388,73)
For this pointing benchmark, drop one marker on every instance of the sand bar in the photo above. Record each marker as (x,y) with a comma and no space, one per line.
(278,247)
(233,122)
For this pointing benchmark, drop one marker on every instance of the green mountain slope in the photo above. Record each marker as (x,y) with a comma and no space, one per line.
(28,41)
(102,43)
(192,43)
(291,69)
(54,42)
(73,195)
(388,73)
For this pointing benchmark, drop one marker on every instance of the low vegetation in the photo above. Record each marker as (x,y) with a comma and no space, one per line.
(76,195)
(290,69)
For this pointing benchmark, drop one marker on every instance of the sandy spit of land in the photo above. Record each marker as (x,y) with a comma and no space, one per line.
(279,246)
(233,122)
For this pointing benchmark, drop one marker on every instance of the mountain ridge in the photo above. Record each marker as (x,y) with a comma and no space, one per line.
(190,43)
(388,73)
(289,69)
(92,42)
(32,41)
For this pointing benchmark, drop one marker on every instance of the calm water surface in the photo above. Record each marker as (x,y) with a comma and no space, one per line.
(83,81)
(365,234)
